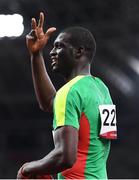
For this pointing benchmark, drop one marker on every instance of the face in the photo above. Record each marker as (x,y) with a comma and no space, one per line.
(62,55)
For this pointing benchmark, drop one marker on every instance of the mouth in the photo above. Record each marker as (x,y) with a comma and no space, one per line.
(54,62)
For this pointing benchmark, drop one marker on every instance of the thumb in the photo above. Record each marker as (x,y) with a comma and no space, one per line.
(50,31)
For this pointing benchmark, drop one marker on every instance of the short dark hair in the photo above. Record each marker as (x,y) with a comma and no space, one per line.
(82,37)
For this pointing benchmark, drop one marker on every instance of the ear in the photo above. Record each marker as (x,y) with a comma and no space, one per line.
(79,51)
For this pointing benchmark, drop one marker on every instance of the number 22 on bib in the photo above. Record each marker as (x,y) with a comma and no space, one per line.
(108,121)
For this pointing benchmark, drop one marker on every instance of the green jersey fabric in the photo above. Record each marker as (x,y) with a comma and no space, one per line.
(76,104)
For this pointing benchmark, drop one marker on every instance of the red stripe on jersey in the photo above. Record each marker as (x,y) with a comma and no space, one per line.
(78,169)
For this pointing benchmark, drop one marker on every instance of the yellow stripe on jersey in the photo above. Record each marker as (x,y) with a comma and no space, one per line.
(60,101)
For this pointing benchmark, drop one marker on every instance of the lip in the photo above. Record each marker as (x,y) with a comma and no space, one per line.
(54,58)
(54,61)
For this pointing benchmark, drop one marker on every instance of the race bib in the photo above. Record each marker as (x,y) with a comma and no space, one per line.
(108,121)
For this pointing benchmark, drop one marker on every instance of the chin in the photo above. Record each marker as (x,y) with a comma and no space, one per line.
(55,69)
(58,71)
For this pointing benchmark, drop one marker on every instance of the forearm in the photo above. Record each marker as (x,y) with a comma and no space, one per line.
(50,164)
(43,86)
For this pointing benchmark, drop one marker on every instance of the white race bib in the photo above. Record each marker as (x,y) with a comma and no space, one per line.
(108,121)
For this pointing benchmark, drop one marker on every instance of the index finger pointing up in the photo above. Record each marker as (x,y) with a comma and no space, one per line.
(41,20)
(33,23)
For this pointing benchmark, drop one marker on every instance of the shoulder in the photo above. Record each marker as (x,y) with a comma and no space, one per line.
(101,83)
(72,86)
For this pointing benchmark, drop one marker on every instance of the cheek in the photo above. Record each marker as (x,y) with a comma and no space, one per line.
(65,59)
(66,56)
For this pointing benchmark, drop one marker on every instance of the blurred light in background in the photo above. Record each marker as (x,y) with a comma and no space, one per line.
(120,80)
(134,64)
(11,25)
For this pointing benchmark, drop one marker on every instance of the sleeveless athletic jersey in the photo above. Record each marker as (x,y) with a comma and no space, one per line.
(77,104)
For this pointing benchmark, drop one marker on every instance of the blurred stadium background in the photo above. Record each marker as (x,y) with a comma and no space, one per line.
(25,131)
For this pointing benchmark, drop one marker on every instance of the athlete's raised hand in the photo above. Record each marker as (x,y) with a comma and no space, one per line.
(37,39)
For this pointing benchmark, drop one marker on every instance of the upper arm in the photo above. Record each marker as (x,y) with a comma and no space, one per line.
(67,112)
(67,109)
(66,139)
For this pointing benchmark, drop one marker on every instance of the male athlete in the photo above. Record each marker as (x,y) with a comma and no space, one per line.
(84,115)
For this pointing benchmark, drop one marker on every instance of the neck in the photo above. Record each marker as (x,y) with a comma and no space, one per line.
(80,70)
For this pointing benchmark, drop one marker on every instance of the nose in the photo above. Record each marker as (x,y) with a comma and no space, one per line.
(53,52)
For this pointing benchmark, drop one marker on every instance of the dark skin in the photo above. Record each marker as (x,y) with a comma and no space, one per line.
(62,157)
(70,62)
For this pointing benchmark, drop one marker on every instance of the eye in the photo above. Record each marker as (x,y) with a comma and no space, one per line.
(59,45)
